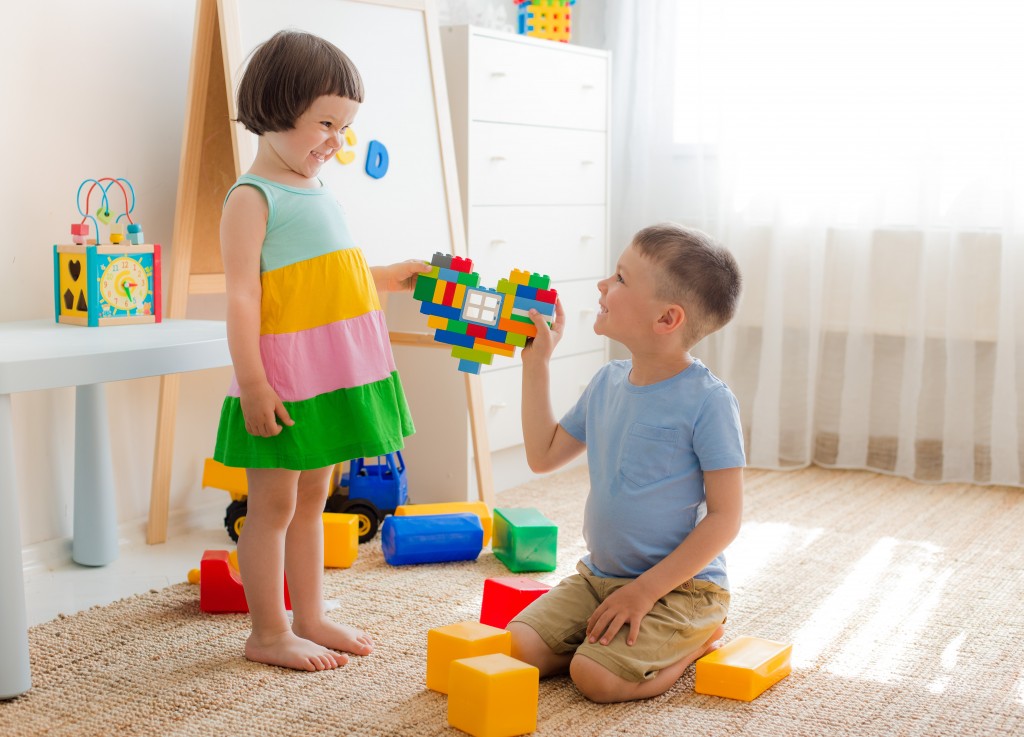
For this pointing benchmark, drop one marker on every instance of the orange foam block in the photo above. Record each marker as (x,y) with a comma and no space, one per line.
(743,669)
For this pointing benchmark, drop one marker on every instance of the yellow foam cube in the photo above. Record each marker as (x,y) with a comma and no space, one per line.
(341,539)
(480,509)
(461,640)
(493,696)
(744,668)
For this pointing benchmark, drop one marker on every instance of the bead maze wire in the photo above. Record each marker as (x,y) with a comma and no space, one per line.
(103,212)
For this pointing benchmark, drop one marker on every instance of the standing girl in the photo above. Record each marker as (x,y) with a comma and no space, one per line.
(315,381)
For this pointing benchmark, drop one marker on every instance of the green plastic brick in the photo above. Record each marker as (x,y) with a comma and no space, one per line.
(540,281)
(470,280)
(472,354)
(524,540)
(424,289)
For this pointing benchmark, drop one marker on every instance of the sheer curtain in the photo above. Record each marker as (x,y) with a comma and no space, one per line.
(865,163)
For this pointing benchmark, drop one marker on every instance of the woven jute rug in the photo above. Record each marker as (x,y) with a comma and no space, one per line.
(903,603)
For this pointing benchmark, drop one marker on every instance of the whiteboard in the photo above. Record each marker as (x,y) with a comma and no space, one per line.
(414,209)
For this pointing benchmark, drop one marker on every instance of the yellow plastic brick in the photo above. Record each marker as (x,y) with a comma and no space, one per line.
(461,640)
(493,696)
(743,669)
(341,539)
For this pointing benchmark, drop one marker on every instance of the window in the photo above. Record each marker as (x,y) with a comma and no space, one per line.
(482,307)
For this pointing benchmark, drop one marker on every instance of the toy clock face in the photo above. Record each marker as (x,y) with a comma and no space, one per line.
(124,283)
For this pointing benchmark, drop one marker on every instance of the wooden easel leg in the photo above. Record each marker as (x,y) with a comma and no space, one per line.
(481,445)
(163,458)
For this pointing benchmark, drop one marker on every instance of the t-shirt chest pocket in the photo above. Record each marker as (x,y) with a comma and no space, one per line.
(649,453)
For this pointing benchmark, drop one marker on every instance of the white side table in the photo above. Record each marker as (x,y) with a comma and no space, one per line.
(40,354)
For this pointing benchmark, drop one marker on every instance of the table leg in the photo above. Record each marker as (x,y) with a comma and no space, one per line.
(94,541)
(15,677)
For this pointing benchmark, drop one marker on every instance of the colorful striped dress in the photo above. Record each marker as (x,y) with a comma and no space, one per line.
(323,341)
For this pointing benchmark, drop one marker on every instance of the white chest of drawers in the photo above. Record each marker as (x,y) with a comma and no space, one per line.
(530,122)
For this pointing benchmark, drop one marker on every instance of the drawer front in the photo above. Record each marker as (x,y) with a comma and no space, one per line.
(516,165)
(563,242)
(503,395)
(523,83)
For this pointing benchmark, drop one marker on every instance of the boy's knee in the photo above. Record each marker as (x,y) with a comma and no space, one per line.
(598,683)
(527,645)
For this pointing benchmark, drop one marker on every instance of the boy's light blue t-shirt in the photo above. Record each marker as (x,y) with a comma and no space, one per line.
(647,449)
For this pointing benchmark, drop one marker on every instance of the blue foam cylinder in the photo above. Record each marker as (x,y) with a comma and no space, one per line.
(431,538)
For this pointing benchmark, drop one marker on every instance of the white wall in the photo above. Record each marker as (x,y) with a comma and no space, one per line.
(92,90)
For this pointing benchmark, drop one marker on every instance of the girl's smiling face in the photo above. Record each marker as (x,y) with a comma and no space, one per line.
(315,138)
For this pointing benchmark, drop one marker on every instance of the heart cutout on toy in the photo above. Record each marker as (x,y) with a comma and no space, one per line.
(75,269)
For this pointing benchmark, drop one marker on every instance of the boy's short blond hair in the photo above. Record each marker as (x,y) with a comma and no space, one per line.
(694,271)
(286,74)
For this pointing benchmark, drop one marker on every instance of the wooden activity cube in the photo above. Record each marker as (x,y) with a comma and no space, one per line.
(97,286)
(493,696)
(461,640)
(504,598)
(525,540)
(743,668)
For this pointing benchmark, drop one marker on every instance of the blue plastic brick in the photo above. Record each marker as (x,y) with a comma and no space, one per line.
(432,308)
(431,538)
(450,338)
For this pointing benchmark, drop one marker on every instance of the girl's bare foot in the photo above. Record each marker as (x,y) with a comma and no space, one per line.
(336,636)
(288,650)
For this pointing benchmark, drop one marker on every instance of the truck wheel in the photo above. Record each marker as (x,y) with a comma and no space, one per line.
(234,520)
(335,503)
(368,520)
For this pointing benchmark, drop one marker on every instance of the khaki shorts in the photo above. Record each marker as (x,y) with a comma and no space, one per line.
(680,622)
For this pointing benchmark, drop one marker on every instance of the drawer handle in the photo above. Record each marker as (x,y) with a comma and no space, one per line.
(498,74)
(498,242)
(501,405)
(498,158)
(588,86)
(586,237)
(587,162)
(588,311)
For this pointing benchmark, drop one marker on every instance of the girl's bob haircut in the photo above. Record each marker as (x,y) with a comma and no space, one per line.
(286,73)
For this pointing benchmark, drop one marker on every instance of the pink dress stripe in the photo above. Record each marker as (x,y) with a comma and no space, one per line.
(308,363)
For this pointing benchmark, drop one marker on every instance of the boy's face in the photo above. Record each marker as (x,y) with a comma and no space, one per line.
(629,308)
(316,137)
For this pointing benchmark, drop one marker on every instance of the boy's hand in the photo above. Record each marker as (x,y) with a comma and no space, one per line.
(399,277)
(262,409)
(629,604)
(541,347)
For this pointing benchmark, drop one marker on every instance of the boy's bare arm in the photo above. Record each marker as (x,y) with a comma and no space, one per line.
(630,604)
(548,446)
